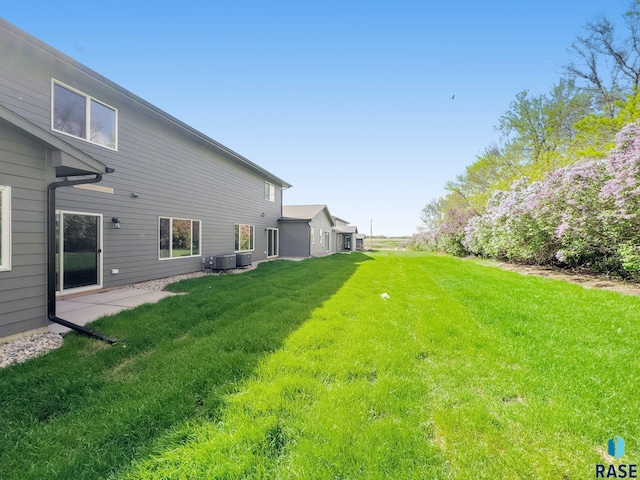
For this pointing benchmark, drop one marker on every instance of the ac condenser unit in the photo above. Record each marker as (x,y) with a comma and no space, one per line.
(224,262)
(243,259)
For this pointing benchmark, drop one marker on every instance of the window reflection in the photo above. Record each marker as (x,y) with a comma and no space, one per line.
(103,125)
(69,112)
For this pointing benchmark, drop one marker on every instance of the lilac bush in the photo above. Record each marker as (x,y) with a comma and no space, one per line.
(448,236)
(585,214)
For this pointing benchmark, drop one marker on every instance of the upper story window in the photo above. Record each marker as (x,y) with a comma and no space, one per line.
(244,237)
(79,115)
(5,228)
(269,192)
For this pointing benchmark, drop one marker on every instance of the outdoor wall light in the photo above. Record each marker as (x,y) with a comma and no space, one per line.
(116,223)
(134,195)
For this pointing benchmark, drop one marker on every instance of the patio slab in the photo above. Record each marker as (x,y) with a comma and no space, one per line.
(83,309)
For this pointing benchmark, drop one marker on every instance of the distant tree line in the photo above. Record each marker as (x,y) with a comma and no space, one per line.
(560,185)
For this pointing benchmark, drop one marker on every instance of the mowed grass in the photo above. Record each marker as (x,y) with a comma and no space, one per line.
(88,409)
(303,370)
(465,371)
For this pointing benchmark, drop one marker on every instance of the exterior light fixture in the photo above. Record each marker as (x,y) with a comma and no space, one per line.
(116,223)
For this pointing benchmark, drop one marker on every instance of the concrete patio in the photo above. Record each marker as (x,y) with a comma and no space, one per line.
(82,309)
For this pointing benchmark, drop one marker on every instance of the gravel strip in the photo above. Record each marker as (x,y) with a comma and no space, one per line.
(24,348)
(161,283)
(27,347)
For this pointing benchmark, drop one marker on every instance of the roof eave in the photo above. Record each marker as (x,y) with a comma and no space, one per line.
(133,97)
(67,159)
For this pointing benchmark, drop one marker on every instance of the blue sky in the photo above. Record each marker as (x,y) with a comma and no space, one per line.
(349,101)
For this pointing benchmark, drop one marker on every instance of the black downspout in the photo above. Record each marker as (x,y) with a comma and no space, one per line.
(51,259)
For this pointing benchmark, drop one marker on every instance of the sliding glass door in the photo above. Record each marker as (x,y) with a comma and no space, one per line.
(272,242)
(78,251)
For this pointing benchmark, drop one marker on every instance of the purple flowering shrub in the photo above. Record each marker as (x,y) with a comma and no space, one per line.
(585,214)
(448,236)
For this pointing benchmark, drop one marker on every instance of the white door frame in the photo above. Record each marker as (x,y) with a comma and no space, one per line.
(276,244)
(60,247)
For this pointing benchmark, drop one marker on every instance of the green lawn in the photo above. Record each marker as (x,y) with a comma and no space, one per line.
(302,370)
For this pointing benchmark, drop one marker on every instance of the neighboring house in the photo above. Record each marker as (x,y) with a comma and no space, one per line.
(306,231)
(345,235)
(311,231)
(134,193)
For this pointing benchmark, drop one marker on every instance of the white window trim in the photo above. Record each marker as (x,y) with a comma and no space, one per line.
(252,241)
(89,98)
(60,245)
(313,235)
(171,257)
(5,192)
(270,231)
(269,192)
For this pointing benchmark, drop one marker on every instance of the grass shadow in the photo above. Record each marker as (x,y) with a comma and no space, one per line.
(87,412)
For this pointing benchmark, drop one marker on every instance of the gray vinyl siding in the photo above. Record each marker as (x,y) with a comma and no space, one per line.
(184,181)
(321,221)
(294,239)
(23,299)
(175,173)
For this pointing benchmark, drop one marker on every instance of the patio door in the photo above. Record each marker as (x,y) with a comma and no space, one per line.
(78,251)
(272,242)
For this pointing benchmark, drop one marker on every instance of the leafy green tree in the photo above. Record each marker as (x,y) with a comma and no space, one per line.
(596,132)
(540,129)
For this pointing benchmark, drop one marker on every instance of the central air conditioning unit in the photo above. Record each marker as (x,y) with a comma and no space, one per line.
(224,262)
(243,259)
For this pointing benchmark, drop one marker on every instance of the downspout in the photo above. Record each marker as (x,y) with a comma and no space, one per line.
(51,258)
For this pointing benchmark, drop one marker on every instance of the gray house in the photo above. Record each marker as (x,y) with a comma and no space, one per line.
(311,231)
(305,231)
(345,235)
(99,188)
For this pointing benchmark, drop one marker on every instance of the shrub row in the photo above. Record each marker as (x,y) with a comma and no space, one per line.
(586,214)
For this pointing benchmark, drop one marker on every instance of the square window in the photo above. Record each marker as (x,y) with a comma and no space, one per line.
(179,237)
(81,116)
(244,238)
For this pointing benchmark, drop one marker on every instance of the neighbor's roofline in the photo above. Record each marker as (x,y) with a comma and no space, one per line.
(320,207)
(294,220)
(123,91)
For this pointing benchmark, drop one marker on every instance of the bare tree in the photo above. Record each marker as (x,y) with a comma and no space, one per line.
(432,215)
(609,61)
